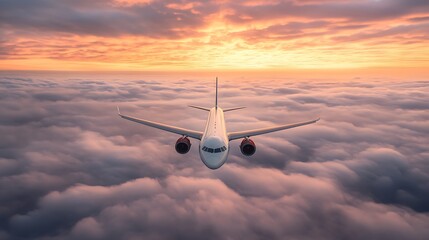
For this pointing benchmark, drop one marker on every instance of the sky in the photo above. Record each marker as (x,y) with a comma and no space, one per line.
(219,35)
(70,168)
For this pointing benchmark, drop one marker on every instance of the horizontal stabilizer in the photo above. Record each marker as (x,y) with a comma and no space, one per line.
(233,109)
(201,108)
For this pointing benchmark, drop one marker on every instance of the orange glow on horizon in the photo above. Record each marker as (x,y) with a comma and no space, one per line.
(225,39)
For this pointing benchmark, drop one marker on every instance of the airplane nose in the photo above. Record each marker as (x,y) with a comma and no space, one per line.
(213,166)
(213,151)
(213,162)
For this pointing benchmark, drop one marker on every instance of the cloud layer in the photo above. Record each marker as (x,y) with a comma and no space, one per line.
(71,169)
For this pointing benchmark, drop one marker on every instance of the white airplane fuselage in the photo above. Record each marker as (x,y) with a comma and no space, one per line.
(214,145)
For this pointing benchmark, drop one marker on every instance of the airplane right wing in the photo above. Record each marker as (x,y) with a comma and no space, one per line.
(165,127)
(249,133)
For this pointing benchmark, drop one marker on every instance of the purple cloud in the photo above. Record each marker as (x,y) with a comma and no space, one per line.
(71,169)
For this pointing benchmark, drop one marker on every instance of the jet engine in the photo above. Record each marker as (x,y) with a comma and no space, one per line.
(183,145)
(247,147)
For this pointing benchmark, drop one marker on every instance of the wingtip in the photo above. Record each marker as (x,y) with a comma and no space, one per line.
(119,112)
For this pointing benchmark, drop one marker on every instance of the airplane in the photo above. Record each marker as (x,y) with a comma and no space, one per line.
(214,141)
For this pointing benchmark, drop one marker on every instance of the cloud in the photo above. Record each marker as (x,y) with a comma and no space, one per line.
(287,31)
(407,31)
(71,169)
(101,18)
(356,11)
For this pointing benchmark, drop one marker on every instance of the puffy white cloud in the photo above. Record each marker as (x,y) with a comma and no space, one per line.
(71,169)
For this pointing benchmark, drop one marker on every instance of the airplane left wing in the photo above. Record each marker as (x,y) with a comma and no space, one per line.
(165,127)
(243,134)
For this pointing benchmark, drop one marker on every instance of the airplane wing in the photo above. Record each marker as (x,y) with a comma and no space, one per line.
(243,134)
(165,127)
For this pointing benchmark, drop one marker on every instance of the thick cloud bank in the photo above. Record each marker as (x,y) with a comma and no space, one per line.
(71,169)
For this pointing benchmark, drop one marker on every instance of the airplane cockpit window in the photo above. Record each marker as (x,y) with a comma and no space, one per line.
(214,150)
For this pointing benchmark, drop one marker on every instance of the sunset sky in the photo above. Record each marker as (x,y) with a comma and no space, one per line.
(71,168)
(151,35)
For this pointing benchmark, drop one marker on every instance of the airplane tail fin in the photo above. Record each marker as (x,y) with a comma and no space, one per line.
(216,92)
